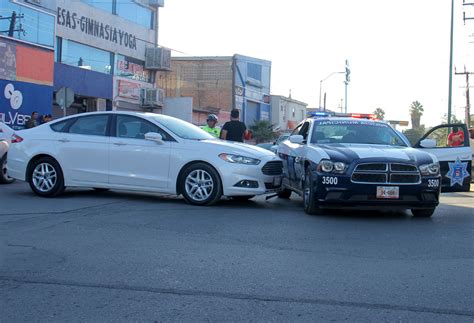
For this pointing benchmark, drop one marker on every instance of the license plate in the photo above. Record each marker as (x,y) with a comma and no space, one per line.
(388,192)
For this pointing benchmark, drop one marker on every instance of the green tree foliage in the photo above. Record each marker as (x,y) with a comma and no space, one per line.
(416,111)
(379,113)
(453,119)
(262,131)
(414,134)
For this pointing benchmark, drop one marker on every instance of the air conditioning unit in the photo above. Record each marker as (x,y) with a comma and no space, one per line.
(152,97)
(158,58)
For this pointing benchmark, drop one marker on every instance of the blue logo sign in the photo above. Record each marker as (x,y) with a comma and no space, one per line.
(457,172)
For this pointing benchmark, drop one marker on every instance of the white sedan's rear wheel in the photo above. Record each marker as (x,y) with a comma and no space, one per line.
(46,177)
(200,184)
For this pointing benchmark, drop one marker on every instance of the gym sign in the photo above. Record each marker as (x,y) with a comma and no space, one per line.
(99,29)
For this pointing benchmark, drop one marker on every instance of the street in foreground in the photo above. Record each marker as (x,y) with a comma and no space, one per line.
(120,256)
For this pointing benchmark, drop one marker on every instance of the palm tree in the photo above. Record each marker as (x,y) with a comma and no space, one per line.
(416,111)
(379,113)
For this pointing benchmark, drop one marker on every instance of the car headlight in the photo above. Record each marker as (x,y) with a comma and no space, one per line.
(328,166)
(429,169)
(238,159)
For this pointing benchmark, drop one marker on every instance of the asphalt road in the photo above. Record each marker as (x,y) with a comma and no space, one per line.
(120,256)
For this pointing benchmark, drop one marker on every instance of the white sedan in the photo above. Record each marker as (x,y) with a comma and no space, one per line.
(141,152)
(5,134)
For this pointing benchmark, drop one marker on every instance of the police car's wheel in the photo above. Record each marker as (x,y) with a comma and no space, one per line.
(4,178)
(200,184)
(46,177)
(284,193)
(422,213)
(309,199)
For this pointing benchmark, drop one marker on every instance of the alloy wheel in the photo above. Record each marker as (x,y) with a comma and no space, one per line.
(44,177)
(199,185)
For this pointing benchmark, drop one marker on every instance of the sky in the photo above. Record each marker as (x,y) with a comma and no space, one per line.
(398,51)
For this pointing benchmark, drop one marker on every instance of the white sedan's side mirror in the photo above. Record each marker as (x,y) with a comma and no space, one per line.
(156,137)
(428,143)
(296,139)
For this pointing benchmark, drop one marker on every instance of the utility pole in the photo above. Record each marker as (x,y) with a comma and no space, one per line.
(467,116)
(450,92)
(11,28)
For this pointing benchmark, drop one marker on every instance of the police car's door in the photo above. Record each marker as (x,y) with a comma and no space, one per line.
(292,153)
(455,159)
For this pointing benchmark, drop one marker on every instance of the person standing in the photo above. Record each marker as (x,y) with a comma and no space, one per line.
(456,137)
(234,130)
(211,126)
(33,121)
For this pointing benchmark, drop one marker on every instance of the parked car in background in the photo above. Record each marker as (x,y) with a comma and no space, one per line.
(5,135)
(366,164)
(273,146)
(141,152)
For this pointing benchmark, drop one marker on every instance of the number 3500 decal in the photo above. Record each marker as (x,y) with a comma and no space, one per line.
(433,182)
(329,180)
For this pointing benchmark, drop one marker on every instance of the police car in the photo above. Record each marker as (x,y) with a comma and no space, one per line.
(347,162)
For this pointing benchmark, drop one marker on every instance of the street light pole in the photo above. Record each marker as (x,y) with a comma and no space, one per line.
(321,85)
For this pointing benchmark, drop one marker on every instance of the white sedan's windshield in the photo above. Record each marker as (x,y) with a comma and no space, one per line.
(355,131)
(182,128)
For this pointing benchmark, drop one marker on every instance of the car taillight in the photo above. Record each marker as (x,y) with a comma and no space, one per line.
(16,139)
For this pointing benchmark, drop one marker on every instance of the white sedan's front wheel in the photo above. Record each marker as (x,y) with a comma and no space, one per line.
(200,184)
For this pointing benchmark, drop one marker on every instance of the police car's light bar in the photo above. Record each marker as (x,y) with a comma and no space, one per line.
(320,114)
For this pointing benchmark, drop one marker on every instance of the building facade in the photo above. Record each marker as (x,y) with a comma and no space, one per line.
(287,112)
(26,62)
(219,84)
(100,52)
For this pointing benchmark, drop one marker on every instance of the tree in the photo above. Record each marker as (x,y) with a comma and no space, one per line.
(416,111)
(262,131)
(453,119)
(379,113)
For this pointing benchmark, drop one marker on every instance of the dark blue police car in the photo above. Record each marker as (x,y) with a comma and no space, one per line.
(358,163)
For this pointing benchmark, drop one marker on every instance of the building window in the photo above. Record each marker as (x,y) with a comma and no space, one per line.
(134,12)
(86,57)
(254,71)
(132,68)
(31,25)
(101,4)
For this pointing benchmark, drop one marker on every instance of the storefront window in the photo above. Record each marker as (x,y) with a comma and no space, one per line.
(101,4)
(86,57)
(30,25)
(131,68)
(132,11)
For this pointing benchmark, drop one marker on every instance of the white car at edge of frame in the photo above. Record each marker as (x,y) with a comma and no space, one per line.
(5,135)
(140,152)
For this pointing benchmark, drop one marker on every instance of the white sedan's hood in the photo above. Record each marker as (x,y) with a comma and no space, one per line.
(238,148)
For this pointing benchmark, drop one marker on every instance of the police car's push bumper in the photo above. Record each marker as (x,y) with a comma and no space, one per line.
(342,193)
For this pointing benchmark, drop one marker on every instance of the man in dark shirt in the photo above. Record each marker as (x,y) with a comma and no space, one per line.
(234,130)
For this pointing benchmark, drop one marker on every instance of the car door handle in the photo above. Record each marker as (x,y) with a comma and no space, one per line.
(64,140)
(119,143)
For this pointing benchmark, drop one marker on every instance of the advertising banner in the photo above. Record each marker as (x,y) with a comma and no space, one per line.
(19,99)
(129,90)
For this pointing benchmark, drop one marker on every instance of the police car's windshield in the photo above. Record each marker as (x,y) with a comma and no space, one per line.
(354,132)
(182,128)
